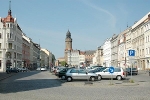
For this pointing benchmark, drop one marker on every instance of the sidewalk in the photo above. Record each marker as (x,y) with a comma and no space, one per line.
(4,75)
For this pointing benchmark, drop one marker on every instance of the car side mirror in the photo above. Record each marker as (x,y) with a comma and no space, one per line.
(86,72)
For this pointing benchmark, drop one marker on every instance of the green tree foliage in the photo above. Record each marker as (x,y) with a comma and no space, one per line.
(63,63)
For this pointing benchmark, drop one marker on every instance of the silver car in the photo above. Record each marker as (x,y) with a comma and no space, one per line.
(80,74)
(119,73)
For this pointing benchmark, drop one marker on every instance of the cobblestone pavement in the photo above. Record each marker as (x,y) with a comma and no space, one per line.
(45,86)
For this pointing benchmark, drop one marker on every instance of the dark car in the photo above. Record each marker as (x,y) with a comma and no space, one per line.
(62,73)
(12,70)
(133,71)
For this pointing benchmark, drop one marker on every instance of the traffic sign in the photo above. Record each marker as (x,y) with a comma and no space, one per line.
(111,69)
(131,52)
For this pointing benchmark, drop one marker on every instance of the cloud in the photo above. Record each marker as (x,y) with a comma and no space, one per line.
(112,17)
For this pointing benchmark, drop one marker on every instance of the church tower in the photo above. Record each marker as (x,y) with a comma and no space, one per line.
(68,45)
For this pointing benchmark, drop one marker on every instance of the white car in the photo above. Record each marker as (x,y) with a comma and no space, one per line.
(38,68)
(119,73)
(43,68)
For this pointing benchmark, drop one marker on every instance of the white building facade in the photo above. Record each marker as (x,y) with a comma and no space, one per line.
(10,43)
(114,50)
(146,27)
(107,53)
(73,57)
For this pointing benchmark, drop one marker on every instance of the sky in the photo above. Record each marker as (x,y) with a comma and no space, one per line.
(90,22)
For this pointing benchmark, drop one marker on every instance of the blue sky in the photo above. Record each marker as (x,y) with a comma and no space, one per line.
(90,22)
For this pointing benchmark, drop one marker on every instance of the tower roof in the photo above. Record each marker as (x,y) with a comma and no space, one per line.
(9,17)
(68,34)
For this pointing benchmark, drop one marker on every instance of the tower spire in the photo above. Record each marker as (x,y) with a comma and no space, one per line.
(10,5)
(9,11)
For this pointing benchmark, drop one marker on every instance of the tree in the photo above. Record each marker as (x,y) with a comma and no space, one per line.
(63,63)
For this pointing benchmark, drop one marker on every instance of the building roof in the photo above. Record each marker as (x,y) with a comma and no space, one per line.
(9,17)
(90,52)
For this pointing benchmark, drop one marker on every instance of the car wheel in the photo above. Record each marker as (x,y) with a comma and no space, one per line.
(92,78)
(69,79)
(99,78)
(119,78)
(63,77)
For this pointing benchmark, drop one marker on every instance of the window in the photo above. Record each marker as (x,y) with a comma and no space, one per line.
(117,70)
(0,53)
(82,71)
(11,26)
(14,55)
(0,35)
(7,35)
(73,71)
(146,51)
(10,35)
(107,70)
(10,45)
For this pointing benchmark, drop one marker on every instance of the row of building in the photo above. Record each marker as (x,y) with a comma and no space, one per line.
(18,50)
(115,50)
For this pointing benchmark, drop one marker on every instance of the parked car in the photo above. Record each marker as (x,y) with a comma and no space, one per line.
(62,73)
(24,69)
(58,69)
(119,73)
(133,70)
(43,68)
(19,69)
(98,69)
(93,67)
(12,70)
(39,68)
(80,74)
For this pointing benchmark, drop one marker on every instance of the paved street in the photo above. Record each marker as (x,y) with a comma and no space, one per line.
(36,85)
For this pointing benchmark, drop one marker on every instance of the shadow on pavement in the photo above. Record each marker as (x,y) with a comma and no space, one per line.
(20,82)
(28,85)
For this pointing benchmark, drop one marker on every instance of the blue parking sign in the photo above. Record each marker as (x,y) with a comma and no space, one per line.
(131,52)
(111,69)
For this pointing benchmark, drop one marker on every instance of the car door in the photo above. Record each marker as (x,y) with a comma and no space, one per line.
(74,73)
(105,73)
(82,74)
